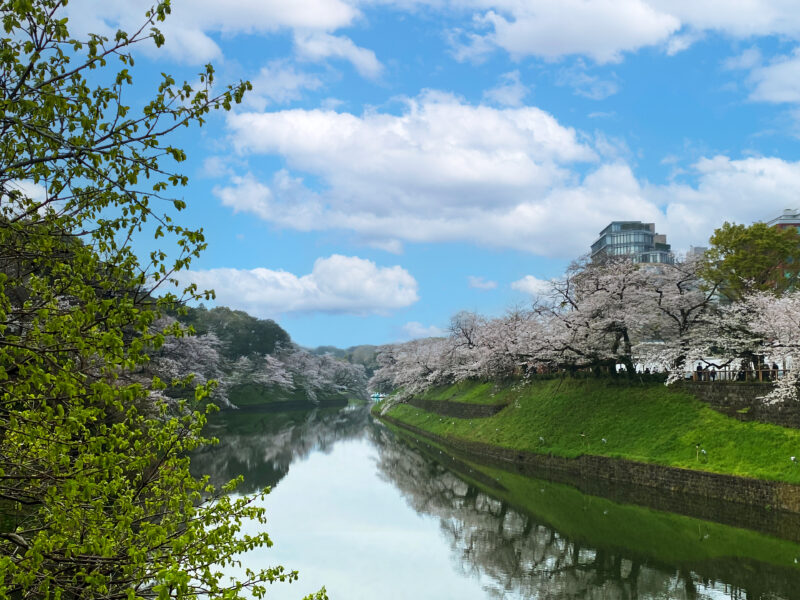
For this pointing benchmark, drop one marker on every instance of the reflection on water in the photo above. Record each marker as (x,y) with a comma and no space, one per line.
(507,535)
(262,445)
(605,550)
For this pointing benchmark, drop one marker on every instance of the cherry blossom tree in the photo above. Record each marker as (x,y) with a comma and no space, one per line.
(600,315)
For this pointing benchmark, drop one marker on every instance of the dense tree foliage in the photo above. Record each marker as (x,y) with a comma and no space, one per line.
(743,259)
(240,333)
(95,492)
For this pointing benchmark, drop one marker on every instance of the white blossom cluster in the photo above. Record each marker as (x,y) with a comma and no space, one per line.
(613,316)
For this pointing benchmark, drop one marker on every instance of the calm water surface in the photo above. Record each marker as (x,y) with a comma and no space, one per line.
(373,515)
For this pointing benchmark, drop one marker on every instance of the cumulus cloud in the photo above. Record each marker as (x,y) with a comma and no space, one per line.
(444,171)
(319,46)
(435,172)
(679,43)
(414,330)
(479,283)
(336,284)
(602,30)
(531,285)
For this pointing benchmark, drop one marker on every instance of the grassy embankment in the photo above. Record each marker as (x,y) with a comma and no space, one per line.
(652,534)
(641,422)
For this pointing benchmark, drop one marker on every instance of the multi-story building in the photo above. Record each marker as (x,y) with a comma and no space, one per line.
(634,239)
(696,251)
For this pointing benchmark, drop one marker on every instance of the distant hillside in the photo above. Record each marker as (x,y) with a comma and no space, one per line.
(240,333)
(254,361)
(364,355)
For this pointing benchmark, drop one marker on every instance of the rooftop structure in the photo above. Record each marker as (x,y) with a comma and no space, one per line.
(789,218)
(633,239)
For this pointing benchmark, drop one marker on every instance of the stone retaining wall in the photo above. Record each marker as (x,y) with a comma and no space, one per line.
(459,410)
(741,401)
(768,506)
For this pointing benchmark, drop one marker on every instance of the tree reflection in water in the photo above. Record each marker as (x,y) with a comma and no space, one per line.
(524,557)
(512,549)
(261,445)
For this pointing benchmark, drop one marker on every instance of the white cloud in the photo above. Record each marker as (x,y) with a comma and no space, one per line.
(583,84)
(414,330)
(678,43)
(479,283)
(471,47)
(748,59)
(744,191)
(604,30)
(510,92)
(248,195)
(29,189)
(317,46)
(188,30)
(740,19)
(453,146)
(278,83)
(778,81)
(601,29)
(531,285)
(435,172)
(337,284)
(445,171)
(32,191)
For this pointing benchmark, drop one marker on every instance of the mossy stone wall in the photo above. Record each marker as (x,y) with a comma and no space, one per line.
(459,410)
(741,400)
(770,506)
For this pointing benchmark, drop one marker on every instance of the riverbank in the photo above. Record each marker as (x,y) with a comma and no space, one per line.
(654,536)
(641,434)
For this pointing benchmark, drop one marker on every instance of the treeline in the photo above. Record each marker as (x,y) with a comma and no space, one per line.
(252,360)
(617,316)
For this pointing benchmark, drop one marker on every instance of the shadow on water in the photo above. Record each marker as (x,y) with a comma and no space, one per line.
(523,537)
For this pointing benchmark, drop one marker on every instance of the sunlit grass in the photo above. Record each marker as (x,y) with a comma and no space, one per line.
(643,422)
(470,392)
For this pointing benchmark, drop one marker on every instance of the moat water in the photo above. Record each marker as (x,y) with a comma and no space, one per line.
(372,514)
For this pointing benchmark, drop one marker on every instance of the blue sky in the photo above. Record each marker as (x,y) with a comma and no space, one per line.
(401,160)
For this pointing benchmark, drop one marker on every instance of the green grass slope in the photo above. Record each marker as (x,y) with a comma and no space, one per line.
(645,422)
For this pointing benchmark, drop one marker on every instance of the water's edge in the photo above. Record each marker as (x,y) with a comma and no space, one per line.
(766,506)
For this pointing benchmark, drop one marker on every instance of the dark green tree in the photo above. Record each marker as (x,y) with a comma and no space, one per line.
(743,258)
(96,499)
(240,333)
